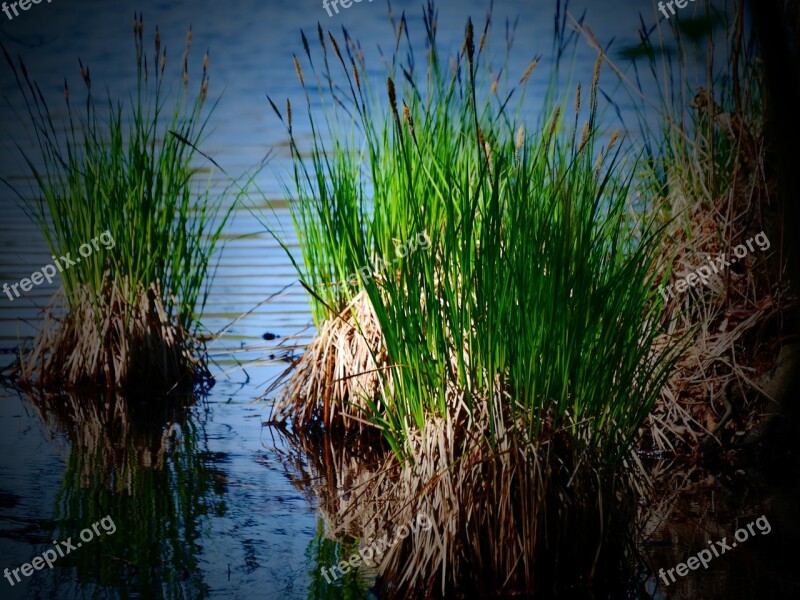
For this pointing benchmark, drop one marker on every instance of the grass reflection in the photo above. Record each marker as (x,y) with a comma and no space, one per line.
(143,463)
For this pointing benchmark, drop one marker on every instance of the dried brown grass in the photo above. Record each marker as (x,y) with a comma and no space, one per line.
(102,341)
(733,326)
(328,384)
(504,517)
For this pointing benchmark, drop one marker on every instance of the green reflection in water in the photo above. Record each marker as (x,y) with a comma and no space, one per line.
(144,464)
(324,553)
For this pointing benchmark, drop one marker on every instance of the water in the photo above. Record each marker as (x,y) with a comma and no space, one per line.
(203,504)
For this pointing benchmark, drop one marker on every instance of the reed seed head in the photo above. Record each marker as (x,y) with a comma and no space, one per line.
(529,70)
(469,42)
(299,71)
(595,82)
(598,166)
(578,100)
(275,108)
(410,120)
(554,124)
(358,79)
(322,39)
(614,138)
(85,75)
(305,43)
(335,45)
(584,137)
(392,98)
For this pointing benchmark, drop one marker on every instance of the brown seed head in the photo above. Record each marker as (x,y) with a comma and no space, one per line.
(584,137)
(529,70)
(299,71)
(204,90)
(614,138)
(358,79)
(335,45)
(554,124)
(410,120)
(391,90)
(598,166)
(595,81)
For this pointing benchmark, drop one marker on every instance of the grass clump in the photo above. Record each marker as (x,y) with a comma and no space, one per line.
(130,313)
(517,352)
(710,177)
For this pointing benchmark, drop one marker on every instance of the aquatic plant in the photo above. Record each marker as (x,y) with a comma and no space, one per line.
(707,176)
(536,262)
(516,357)
(130,314)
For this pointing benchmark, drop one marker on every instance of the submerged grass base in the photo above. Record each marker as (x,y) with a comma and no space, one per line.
(511,517)
(105,342)
(516,518)
(327,385)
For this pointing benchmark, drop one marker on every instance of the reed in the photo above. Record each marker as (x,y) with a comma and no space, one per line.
(535,302)
(126,167)
(509,366)
(706,176)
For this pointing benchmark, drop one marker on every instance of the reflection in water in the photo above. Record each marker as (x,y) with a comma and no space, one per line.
(340,478)
(142,463)
(324,553)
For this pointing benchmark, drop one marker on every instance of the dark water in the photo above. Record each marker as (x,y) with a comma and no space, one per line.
(202,503)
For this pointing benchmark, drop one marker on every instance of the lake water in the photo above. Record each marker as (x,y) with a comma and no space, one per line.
(203,501)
